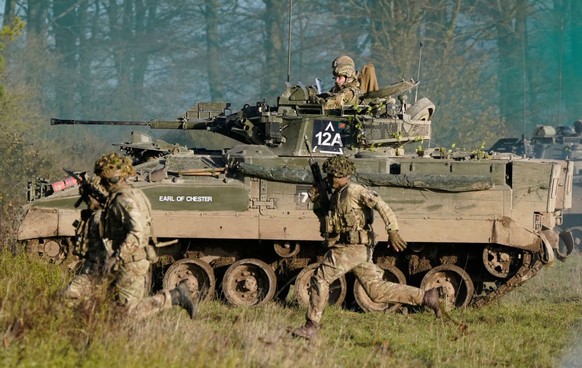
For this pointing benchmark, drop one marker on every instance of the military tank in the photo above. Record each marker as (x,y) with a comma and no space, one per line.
(563,142)
(239,221)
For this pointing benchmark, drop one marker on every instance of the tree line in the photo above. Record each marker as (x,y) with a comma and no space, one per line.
(511,63)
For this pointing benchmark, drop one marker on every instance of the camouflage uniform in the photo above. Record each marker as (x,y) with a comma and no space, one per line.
(346,94)
(350,236)
(126,230)
(352,241)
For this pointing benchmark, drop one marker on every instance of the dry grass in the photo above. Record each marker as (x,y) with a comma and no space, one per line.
(532,327)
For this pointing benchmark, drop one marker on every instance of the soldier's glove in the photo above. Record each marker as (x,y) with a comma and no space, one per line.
(313,194)
(314,99)
(396,241)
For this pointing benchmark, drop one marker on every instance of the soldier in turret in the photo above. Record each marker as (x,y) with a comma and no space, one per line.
(350,240)
(346,90)
(126,231)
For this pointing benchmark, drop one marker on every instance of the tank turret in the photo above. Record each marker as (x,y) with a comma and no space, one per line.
(379,123)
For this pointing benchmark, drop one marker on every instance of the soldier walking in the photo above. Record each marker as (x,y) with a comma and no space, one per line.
(351,240)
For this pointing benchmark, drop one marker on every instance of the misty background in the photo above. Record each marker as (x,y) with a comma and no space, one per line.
(493,68)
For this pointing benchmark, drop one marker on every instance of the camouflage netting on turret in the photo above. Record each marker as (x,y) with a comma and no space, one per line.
(447,183)
(283,174)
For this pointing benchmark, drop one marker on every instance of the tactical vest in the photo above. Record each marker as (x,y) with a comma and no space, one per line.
(349,220)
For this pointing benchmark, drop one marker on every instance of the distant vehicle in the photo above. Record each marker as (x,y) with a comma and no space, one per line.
(240,218)
(562,142)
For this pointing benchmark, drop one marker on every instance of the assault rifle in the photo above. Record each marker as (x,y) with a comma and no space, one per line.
(82,225)
(323,188)
(86,189)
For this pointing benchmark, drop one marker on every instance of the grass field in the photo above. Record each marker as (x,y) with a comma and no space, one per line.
(534,326)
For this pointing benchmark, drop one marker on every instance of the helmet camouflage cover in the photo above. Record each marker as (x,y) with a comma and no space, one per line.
(339,166)
(343,60)
(114,165)
(344,65)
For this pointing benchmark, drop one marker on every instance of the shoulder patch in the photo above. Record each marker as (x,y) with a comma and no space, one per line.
(127,202)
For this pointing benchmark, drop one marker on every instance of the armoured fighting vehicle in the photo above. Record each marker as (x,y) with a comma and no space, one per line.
(562,142)
(238,221)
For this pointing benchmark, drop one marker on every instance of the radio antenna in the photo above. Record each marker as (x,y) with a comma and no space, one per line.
(289,42)
(418,72)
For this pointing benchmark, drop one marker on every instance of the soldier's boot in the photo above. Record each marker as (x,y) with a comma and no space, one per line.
(308,331)
(431,300)
(182,297)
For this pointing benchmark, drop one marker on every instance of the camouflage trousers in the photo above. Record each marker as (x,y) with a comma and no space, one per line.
(130,291)
(85,282)
(342,259)
(129,287)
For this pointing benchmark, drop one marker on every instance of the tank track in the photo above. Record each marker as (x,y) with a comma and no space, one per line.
(530,266)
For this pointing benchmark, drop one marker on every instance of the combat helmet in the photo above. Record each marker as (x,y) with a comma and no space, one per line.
(113,165)
(344,65)
(339,166)
(342,60)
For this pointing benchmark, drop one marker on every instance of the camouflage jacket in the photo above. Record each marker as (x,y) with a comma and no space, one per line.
(126,222)
(348,94)
(352,209)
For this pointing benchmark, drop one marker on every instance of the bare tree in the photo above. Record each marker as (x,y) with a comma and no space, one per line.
(9,12)
(453,68)
(571,22)
(274,47)
(140,59)
(213,50)
(66,41)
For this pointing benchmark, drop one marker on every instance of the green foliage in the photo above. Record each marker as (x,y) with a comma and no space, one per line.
(23,154)
(532,326)
(12,31)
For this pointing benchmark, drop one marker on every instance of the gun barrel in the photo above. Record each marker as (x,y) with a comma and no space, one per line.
(95,122)
(195,124)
